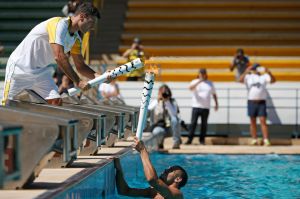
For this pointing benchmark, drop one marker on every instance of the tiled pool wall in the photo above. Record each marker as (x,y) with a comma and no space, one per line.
(100,184)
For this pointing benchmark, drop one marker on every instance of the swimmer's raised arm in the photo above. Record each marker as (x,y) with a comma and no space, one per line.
(159,185)
(124,189)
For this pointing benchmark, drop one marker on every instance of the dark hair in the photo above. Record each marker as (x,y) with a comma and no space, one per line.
(255,66)
(184,175)
(240,51)
(137,40)
(203,71)
(88,9)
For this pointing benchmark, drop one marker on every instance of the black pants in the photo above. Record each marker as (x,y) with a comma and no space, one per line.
(203,113)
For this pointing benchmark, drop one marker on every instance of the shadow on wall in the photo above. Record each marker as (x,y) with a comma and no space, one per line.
(272,113)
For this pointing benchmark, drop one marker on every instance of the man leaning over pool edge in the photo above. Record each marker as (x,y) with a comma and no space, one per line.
(167,185)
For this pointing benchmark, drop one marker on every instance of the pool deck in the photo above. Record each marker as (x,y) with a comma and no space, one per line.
(195,148)
(53,181)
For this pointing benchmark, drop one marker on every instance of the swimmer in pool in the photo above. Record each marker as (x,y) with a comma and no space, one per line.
(167,185)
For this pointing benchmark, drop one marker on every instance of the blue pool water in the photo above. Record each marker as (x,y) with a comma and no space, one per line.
(210,176)
(228,176)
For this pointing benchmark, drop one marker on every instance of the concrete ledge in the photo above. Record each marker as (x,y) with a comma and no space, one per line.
(241,150)
(24,194)
(53,182)
(223,147)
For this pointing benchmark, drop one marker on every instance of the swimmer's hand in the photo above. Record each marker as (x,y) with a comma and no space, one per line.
(138,144)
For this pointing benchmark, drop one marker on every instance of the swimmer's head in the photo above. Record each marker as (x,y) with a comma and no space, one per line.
(174,174)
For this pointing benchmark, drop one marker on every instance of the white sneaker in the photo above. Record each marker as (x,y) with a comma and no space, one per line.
(267,142)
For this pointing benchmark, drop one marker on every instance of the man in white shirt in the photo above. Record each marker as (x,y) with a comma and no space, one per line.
(202,90)
(29,66)
(256,79)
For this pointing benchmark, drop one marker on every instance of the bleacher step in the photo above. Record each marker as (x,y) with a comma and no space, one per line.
(218,50)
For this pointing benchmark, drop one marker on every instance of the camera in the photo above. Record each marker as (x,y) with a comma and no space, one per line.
(261,69)
(166,94)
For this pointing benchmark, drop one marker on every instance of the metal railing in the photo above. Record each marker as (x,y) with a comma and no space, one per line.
(226,97)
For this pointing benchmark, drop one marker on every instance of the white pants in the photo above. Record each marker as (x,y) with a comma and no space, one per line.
(16,80)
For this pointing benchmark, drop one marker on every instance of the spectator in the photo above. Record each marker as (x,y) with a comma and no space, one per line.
(256,79)
(166,116)
(110,90)
(167,185)
(58,75)
(69,9)
(66,83)
(241,62)
(1,48)
(136,51)
(202,90)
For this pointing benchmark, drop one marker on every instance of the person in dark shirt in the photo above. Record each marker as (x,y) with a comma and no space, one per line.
(240,62)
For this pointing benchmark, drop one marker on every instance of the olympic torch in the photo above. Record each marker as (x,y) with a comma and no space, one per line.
(121,70)
(146,96)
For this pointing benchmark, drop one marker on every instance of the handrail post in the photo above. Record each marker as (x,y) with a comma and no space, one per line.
(121,126)
(1,160)
(297,110)
(228,111)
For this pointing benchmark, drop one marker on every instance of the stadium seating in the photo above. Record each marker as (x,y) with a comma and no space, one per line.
(210,30)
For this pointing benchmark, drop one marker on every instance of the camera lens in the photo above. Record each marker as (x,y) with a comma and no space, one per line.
(165,95)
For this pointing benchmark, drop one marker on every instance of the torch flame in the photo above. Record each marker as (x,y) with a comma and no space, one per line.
(151,66)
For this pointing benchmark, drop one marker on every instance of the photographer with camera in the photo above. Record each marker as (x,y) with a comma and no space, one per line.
(136,51)
(256,79)
(202,90)
(240,62)
(166,118)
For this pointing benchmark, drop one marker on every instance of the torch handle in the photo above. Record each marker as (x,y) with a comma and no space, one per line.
(146,96)
(123,69)
(93,82)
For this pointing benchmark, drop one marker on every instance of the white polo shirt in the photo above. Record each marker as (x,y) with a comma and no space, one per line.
(256,85)
(202,94)
(27,65)
(35,53)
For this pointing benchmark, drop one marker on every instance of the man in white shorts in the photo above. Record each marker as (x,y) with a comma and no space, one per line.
(29,67)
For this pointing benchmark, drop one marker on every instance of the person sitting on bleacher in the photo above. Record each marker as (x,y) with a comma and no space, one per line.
(166,118)
(240,62)
(69,9)
(110,91)
(66,84)
(1,49)
(136,51)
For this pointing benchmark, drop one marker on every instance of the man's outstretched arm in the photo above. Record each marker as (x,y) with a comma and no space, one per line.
(64,64)
(124,189)
(82,68)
